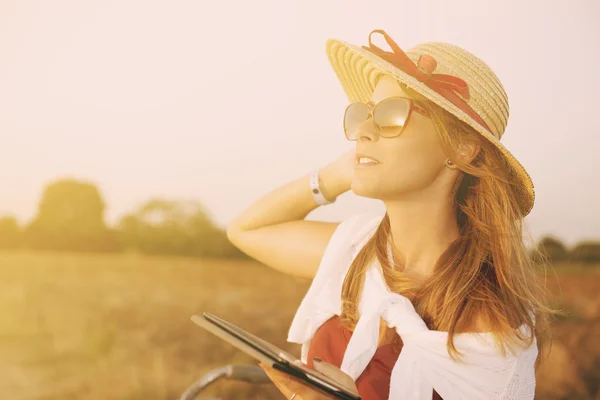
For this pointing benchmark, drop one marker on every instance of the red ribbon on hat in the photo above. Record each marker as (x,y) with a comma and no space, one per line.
(452,88)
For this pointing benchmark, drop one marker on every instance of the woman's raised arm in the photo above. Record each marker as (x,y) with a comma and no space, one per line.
(273,230)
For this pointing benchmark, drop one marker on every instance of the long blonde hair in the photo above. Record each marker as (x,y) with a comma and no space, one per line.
(487,272)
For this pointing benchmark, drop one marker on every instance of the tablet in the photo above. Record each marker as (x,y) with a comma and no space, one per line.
(273,356)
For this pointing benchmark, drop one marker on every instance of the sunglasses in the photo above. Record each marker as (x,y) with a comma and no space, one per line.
(390,116)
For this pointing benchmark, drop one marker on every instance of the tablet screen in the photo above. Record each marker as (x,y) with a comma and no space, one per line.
(273,350)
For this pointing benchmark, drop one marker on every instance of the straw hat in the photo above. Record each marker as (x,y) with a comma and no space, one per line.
(462,84)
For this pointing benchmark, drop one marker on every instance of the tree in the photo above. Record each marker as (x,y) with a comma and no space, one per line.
(588,252)
(71,217)
(552,248)
(174,227)
(10,233)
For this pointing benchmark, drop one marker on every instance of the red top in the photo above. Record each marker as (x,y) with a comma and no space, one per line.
(329,344)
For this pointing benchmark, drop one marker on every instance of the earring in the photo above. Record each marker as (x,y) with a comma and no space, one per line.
(449,163)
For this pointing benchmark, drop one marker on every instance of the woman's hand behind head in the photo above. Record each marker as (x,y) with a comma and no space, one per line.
(336,177)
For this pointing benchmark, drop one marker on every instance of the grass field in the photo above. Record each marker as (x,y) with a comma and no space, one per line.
(75,326)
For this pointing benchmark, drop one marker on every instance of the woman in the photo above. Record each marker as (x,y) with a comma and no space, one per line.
(399,302)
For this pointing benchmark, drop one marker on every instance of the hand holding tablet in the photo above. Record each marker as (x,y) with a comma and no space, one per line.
(288,373)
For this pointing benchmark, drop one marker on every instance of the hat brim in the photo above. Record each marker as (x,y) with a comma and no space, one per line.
(358,71)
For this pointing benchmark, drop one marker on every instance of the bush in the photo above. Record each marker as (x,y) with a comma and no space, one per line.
(588,252)
(71,218)
(174,228)
(552,249)
(11,236)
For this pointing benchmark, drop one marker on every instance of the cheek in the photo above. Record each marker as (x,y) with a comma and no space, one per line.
(415,158)
(414,163)
(412,166)
(410,163)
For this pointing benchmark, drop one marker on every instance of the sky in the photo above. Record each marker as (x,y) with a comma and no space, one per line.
(224,101)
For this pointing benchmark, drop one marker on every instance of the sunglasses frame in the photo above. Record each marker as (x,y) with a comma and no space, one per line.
(371,108)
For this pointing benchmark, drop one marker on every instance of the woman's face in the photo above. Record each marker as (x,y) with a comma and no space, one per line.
(407,164)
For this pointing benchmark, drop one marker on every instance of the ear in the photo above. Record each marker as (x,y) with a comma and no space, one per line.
(467,151)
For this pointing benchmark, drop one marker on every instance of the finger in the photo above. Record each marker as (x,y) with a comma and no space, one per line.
(281,386)
(336,374)
(304,392)
(288,385)
(279,379)
(275,374)
(300,363)
(278,375)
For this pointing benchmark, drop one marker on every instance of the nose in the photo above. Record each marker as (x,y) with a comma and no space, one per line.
(366,130)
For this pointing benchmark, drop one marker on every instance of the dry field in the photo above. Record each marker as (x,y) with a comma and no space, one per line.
(76,326)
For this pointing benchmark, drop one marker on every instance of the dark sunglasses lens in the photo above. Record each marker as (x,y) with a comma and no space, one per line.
(355,115)
(390,116)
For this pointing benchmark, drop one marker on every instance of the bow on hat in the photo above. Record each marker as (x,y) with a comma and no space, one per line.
(452,88)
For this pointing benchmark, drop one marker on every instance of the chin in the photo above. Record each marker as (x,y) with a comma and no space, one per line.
(365,190)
